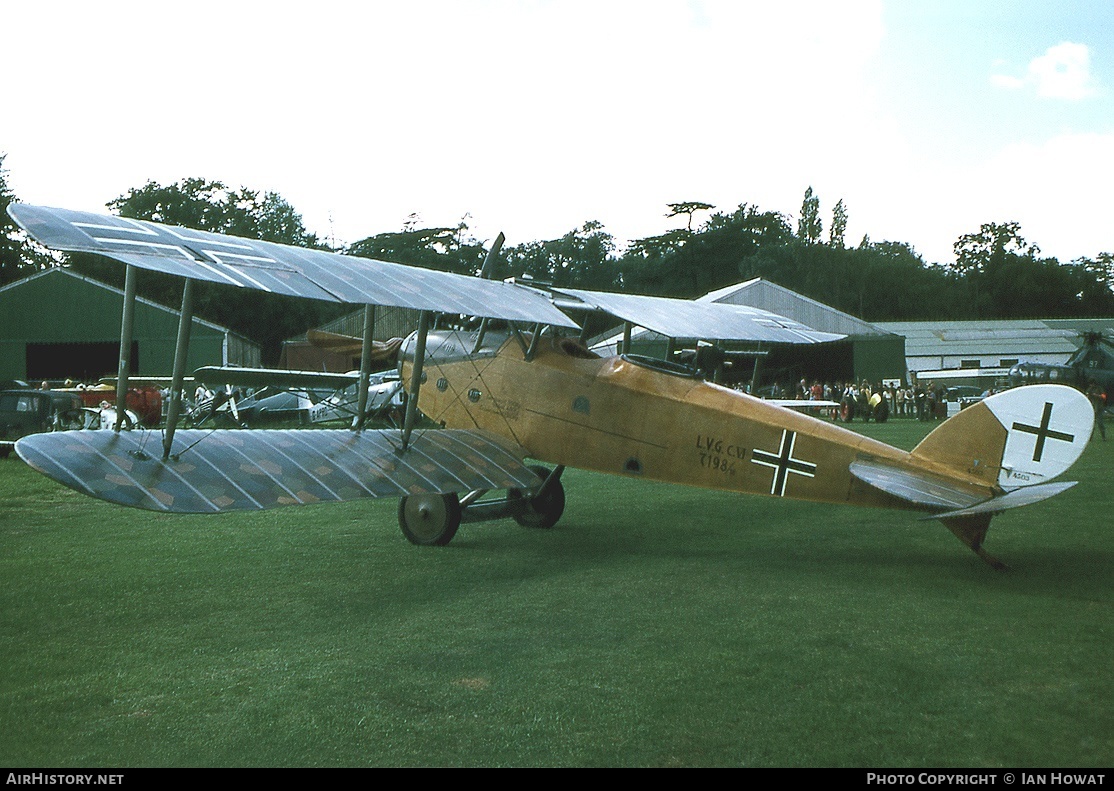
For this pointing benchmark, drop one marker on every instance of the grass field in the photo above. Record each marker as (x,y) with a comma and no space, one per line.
(654,626)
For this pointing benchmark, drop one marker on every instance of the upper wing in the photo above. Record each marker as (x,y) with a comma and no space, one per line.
(282,269)
(711,321)
(251,470)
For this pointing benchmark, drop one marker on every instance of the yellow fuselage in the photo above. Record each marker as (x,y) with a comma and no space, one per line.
(616,416)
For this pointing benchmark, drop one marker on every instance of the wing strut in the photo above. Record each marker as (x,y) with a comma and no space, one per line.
(485,273)
(365,367)
(534,342)
(127,319)
(181,349)
(415,379)
(755,377)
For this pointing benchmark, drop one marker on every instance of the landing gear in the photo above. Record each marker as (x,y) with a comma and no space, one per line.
(433,519)
(546,506)
(429,519)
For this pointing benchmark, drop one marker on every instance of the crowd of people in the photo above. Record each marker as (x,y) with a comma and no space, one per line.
(873,400)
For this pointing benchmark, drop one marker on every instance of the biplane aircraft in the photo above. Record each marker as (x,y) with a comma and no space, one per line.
(522,385)
(309,396)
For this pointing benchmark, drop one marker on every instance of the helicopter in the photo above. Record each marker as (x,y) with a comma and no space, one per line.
(1091,364)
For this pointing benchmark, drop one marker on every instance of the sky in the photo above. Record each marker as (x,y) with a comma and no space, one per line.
(533,117)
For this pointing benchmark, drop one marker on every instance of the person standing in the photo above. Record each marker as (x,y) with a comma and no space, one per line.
(1098,401)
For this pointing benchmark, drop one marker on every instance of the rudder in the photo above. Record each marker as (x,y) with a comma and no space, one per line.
(1020,437)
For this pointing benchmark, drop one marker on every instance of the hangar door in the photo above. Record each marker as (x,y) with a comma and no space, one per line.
(85,362)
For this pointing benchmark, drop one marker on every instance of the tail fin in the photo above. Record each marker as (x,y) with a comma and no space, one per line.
(1021,437)
(1015,443)
(998,454)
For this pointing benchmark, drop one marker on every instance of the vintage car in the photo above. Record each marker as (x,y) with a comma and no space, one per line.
(25,412)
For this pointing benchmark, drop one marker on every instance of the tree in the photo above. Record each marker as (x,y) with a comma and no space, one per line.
(987,250)
(687,263)
(839,225)
(579,259)
(19,256)
(212,206)
(809,226)
(688,207)
(981,259)
(1096,285)
(446,249)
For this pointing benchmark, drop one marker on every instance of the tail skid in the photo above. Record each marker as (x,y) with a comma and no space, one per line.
(970,524)
(971,530)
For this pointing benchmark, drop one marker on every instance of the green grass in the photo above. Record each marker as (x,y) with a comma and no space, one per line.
(654,626)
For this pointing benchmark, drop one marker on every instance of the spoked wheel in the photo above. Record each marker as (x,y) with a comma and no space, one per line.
(542,510)
(429,519)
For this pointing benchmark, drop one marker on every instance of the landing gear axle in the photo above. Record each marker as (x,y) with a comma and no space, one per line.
(433,519)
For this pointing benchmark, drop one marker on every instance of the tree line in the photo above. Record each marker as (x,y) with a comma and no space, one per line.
(996,272)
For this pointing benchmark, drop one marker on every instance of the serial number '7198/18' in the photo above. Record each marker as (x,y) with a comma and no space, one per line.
(716,454)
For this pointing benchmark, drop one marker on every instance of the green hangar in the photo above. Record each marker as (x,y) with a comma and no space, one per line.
(57,324)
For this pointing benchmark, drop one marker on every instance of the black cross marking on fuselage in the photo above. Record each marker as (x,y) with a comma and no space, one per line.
(1043,432)
(783,462)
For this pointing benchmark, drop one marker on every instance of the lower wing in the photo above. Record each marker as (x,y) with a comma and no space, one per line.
(233,470)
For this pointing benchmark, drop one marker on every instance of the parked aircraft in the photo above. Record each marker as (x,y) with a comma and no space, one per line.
(523,385)
(143,399)
(384,399)
(1092,363)
(308,396)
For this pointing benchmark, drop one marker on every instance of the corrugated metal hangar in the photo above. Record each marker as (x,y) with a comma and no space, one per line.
(58,324)
(868,352)
(959,345)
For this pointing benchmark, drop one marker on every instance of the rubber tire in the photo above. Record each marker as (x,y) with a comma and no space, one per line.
(429,520)
(542,513)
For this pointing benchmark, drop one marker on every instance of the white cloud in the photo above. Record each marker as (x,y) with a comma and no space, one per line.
(1058,191)
(1062,72)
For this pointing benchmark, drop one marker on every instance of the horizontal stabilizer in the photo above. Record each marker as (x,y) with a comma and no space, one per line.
(918,487)
(934,492)
(1014,499)
(232,470)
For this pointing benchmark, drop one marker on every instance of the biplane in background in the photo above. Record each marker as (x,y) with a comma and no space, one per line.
(306,396)
(521,384)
